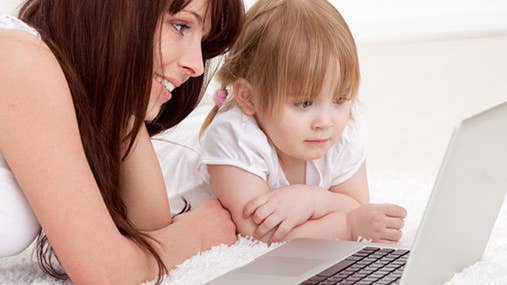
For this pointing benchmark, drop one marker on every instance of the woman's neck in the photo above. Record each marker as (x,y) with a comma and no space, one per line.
(294,169)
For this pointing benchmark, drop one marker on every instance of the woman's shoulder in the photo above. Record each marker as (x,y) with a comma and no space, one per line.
(28,64)
(19,47)
(33,83)
(12,23)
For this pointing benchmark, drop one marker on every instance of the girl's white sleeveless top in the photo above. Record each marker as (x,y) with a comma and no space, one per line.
(18,225)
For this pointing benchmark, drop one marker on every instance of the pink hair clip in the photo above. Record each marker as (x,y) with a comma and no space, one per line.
(220,96)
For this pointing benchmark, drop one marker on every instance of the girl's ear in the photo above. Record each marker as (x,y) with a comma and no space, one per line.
(244,96)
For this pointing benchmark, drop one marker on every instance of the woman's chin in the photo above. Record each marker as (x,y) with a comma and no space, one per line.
(151,115)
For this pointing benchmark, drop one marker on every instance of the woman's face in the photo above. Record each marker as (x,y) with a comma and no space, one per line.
(177,52)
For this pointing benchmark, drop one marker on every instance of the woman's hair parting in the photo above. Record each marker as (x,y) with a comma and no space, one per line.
(289,47)
(105,49)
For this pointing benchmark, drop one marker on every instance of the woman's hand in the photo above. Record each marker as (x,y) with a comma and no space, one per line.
(377,222)
(280,211)
(208,225)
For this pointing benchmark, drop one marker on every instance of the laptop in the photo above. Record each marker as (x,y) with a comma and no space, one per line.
(454,231)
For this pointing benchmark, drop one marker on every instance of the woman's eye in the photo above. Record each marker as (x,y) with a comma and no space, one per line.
(180,27)
(303,104)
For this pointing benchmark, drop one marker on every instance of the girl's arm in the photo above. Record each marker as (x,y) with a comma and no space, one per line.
(279,212)
(377,222)
(234,187)
(143,188)
(346,196)
(40,140)
(348,215)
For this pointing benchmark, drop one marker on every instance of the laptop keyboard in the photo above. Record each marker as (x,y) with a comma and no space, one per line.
(370,265)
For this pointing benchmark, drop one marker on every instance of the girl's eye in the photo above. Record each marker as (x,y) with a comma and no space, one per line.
(179,27)
(340,100)
(303,104)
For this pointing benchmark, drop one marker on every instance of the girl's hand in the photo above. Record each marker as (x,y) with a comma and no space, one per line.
(377,222)
(278,212)
(210,223)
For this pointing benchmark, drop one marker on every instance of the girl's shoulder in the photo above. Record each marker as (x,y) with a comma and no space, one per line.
(354,138)
(230,119)
(236,132)
(356,130)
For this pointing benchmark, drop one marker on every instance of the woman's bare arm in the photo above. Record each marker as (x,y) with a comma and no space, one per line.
(143,188)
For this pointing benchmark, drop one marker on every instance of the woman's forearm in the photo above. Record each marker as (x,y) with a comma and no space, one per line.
(127,263)
(143,187)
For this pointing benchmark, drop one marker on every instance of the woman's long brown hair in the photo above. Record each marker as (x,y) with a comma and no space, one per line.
(105,49)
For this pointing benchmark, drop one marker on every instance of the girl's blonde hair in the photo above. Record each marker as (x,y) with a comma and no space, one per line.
(288,47)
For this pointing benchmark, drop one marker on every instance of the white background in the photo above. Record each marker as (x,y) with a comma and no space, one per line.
(425,65)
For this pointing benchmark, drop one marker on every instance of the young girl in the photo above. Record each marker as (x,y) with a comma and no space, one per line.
(290,126)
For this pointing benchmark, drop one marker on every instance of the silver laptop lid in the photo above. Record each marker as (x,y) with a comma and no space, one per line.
(466,199)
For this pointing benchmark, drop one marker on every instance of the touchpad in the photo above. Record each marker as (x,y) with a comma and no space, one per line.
(276,265)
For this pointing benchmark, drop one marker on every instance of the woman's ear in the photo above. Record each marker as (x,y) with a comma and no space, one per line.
(244,96)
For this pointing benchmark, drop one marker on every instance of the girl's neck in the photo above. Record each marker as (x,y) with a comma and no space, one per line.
(294,169)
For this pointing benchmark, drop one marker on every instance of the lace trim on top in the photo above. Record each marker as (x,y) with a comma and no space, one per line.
(12,23)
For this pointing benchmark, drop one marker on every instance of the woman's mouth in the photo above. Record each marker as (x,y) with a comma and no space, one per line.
(166,84)
(166,89)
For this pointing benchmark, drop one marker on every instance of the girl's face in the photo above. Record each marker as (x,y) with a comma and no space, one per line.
(306,130)
(177,52)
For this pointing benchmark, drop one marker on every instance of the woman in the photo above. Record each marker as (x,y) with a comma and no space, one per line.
(73,138)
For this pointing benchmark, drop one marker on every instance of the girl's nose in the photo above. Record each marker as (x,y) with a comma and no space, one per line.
(322,120)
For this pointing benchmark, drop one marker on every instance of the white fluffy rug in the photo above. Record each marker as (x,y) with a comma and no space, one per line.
(411,191)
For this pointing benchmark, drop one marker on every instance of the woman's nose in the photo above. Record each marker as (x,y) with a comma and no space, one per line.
(191,60)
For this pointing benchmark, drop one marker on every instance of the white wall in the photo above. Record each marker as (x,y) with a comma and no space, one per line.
(9,6)
(395,20)
(414,94)
(425,65)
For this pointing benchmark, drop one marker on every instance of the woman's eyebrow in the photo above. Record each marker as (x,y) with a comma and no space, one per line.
(199,19)
(195,14)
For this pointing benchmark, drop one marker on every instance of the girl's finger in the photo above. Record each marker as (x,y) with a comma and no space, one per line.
(255,203)
(386,241)
(283,229)
(267,225)
(267,237)
(394,211)
(394,223)
(391,234)
(262,212)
